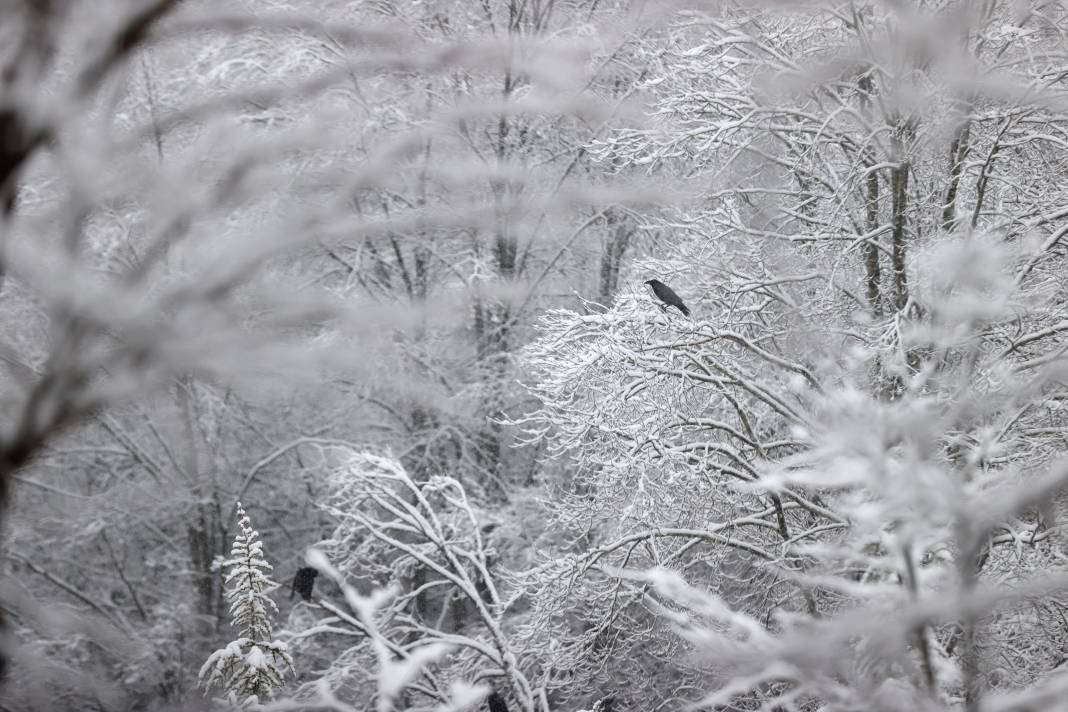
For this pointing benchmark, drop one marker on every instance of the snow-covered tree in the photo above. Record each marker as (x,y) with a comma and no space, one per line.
(405,671)
(848,429)
(943,587)
(172,174)
(425,542)
(251,667)
(862,421)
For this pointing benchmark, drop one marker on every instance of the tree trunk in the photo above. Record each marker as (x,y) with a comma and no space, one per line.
(957,151)
(872,270)
(620,231)
(899,207)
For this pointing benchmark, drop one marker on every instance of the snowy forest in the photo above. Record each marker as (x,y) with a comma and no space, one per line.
(534,355)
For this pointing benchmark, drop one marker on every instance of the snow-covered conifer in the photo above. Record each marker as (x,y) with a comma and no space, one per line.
(250,668)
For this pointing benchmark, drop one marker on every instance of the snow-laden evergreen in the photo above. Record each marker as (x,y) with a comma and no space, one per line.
(251,668)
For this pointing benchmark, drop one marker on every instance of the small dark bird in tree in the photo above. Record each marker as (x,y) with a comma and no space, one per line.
(667,295)
(496,703)
(303,583)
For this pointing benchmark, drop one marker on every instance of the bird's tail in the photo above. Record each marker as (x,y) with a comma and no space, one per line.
(684,310)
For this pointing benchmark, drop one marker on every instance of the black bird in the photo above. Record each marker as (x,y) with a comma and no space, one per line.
(665,294)
(496,703)
(304,583)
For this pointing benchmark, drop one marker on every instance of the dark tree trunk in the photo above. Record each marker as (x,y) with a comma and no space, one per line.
(899,218)
(872,269)
(621,230)
(958,150)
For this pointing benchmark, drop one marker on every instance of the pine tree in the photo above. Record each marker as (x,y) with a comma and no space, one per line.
(251,667)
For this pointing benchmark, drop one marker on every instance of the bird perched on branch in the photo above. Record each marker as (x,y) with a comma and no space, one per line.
(496,703)
(303,583)
(667,295)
